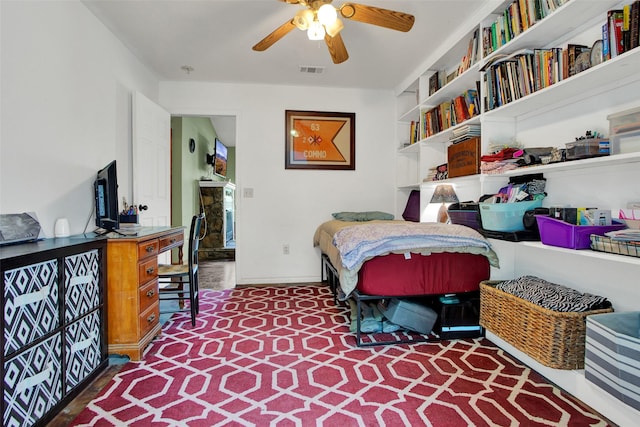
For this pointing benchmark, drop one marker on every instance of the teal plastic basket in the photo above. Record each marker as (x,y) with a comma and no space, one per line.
(505,216)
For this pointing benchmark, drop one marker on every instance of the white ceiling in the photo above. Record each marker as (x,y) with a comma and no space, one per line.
(215,38)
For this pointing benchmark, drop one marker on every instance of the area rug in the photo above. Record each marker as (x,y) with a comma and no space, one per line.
(284,356)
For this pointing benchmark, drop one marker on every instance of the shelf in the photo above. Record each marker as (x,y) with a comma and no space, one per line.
(454,88)
(457,180)
(605,161)
(412,115)
(443,137)
(409,186)
(613,160)
(585,253)
(610,72)
(410,149)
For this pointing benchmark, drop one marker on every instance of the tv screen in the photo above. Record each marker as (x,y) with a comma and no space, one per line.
(106,198)
(220,162)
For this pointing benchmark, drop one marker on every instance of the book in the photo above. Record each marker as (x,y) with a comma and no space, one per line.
(615,18)
(626,25)
(634,27)
(606,53)
(474,51)
(460,108)
(471,99)
(524,14)
(573,50)
(434,84)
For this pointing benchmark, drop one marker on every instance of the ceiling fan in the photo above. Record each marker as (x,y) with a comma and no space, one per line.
(320,20)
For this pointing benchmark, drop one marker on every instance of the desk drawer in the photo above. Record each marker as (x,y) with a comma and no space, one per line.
(147,270)
(148,294)
(148,248)
(149,318)
(172,241)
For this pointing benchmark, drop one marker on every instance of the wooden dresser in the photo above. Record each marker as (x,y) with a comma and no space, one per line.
(133,310)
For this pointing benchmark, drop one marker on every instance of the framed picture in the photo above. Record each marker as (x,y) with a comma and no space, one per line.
(320,140)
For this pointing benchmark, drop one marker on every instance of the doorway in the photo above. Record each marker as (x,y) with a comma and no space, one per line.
(198,186)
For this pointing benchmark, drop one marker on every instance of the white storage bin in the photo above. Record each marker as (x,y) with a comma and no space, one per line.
(624,131)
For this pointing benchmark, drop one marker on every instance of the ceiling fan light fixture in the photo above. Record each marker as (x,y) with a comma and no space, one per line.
(303,19)
(315,31)
(334,28)
(327,14)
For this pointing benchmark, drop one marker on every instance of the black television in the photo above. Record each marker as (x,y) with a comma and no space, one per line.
(106,196)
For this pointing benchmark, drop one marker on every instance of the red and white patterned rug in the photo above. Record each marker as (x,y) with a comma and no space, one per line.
(284,356)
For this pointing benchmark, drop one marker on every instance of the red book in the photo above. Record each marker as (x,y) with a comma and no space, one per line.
(616,20)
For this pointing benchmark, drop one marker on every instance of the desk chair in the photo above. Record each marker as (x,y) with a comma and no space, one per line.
(177,281)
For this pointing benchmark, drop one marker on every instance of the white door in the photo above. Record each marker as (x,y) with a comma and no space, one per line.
(151,161)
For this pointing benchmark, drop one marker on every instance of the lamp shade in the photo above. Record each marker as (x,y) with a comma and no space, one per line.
(444,193)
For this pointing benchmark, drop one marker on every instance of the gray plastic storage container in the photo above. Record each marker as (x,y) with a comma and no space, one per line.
(410,315)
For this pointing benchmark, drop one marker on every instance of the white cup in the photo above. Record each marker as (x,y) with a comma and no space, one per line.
(61,229)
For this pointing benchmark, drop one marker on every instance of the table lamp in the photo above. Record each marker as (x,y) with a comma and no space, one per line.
(444,193)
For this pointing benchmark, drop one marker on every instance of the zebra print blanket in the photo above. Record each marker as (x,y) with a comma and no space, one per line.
(552,296)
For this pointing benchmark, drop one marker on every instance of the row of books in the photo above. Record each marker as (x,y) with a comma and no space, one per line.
(621,30)
(472,55)
(518,17)
(511,76)
(449,113)
(523,73)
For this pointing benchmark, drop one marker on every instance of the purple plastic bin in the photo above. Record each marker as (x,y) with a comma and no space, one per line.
(555,232)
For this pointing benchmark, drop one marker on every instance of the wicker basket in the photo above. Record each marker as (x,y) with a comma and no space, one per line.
(553,338)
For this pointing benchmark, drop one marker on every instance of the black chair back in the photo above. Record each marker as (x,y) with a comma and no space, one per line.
(194,245)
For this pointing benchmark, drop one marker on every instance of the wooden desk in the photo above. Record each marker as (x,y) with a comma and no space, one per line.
(133,307)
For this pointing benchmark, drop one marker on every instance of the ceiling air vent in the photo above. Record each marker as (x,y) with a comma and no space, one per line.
(311,69)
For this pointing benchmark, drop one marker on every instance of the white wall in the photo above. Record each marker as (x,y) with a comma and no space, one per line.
(66,112)
(288,205)
(66,109)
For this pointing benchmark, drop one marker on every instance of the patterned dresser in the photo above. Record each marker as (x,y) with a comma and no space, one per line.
(54,338)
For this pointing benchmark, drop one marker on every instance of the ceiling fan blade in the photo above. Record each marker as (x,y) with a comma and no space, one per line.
(276,35)
(336,48)
(374,15)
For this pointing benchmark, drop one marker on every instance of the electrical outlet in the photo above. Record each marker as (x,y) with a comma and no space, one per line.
(285,249)
(248,192)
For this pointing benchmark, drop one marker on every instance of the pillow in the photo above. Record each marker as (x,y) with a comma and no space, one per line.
(412,209)
(362,216)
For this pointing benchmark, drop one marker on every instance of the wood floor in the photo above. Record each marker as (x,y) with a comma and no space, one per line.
(216,275)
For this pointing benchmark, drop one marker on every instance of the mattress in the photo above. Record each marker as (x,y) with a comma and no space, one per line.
(438,258)
(439,273)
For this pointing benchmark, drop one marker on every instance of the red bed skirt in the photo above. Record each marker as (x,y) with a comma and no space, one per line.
(435,274)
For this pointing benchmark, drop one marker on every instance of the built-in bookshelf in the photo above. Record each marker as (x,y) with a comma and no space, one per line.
(571,101)
(549,37)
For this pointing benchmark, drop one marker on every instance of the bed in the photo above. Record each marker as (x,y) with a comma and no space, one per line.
(394,258)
